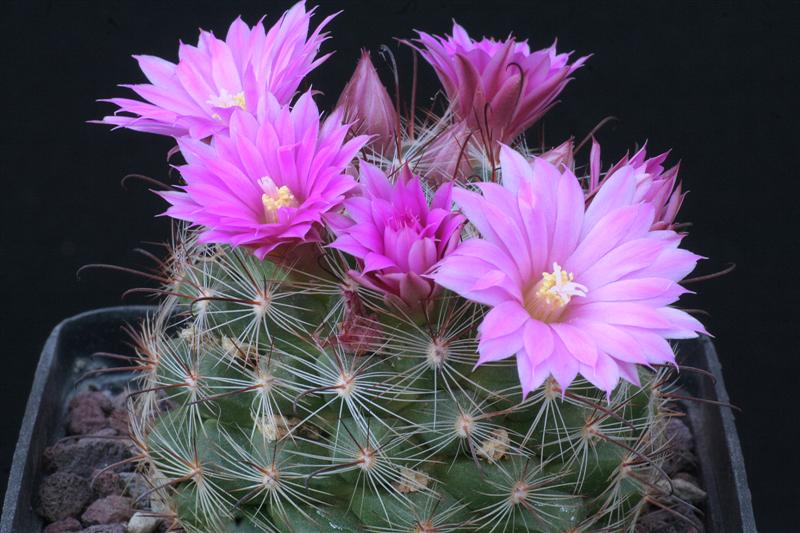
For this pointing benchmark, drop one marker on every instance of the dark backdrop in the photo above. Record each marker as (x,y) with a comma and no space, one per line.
(717,82)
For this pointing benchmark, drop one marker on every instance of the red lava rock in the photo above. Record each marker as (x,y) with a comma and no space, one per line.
(119,421)
(107,483)
(63,495)
(135,486)
(681,443)
(93,399)
(106,528)
(108,510)
(681,519)
(88,413)
(84,456)
(63,526)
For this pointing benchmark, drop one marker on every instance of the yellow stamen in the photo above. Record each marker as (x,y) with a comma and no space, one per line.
(226,100)
(547,299)
(275,198)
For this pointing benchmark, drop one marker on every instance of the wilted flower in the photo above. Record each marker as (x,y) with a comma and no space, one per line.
(270,181)
(654,184)
(367,105)
(198,95)
(499,87)
(395,234)
(572,291)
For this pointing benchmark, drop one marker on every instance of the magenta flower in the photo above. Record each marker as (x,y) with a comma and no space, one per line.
(572,290)
(198,95)
(396,236)
(499,84)
(368,107)
(654,184)
(270,181)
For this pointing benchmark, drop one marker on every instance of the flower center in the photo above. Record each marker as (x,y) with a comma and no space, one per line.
(274,198)
(404,219)
(226,100)
(547,299)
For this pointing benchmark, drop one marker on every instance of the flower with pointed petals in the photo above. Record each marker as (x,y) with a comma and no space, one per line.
(654,184)
(396,235)
(198,95)
(499,84)
(269,181)
(368,107)
(573,290)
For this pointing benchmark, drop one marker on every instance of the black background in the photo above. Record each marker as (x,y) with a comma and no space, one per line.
(715,81)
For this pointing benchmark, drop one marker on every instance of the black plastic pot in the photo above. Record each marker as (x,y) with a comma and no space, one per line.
(66,355)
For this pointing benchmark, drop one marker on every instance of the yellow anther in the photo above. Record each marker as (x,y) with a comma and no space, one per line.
(275,198)
(546,300)
(226,100)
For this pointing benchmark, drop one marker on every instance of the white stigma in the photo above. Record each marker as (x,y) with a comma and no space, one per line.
(546,300)
(559,285)
(225,100)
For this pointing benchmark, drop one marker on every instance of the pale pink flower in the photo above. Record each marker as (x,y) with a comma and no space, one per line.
(654,184)
(572,290)
(198,95)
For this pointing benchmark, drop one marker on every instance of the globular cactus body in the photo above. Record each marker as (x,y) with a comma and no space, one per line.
(256,415)
(401,324)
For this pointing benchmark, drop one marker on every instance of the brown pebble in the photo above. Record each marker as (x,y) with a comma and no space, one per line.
(106,483)
(63,495)
(83,457)
(108,510)
(88,413)
(106,528)
(63,526)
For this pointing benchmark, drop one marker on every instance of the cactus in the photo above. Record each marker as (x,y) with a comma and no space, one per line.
(264,404)
(338,349)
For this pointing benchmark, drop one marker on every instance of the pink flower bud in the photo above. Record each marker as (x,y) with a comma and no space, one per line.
(367,105)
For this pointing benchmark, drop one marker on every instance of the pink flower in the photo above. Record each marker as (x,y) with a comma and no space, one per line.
(368,107)
(654,184)
(499,84)
(198,95)
(396,236)
(572,290)
(270,180)
(561,155)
